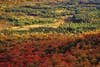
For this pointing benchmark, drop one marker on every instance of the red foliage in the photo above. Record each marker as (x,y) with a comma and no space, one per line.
(59,52)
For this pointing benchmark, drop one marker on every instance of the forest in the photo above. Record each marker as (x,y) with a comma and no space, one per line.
(49,33)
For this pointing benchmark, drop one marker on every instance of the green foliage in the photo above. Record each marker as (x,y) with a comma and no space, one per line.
(72,44)
(79,19)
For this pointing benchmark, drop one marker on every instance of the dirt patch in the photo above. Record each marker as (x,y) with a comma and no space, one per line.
(4,25)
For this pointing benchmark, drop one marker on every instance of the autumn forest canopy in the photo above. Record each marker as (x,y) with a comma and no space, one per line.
(49,33)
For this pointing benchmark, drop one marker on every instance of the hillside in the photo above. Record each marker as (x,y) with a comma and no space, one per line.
(49,33)
(49,15)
